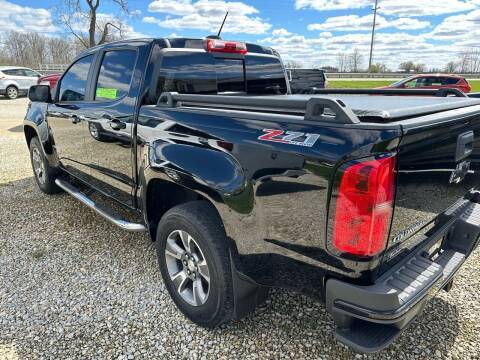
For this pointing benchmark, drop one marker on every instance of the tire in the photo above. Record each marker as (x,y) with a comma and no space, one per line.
(95,131)
(199,220)
(11,92)
(44,174)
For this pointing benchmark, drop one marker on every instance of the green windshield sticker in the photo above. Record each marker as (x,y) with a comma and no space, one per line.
(106,93)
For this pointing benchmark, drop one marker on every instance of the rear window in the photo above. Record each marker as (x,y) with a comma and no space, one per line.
(13,72)
(449,81)
(201,73)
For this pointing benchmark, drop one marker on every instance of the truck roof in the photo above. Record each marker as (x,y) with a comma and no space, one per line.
(182,42)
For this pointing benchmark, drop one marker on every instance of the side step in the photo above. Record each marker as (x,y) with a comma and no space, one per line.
(102,210)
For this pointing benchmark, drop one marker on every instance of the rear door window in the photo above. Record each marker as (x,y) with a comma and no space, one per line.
(449,81)
(115,75)
(74,82)
(13,72)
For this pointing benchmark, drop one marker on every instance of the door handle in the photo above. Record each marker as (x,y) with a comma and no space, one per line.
(116,124)
(75,119)
(464,145)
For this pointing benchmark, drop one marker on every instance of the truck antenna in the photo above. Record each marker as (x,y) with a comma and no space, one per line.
(221,26)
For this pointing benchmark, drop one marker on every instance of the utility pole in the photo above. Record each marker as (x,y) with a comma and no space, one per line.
(373,34)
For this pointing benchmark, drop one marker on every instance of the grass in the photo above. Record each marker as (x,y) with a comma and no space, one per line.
(366,84)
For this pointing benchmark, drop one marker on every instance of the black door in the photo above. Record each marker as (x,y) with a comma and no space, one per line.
(65,119)
(109,118)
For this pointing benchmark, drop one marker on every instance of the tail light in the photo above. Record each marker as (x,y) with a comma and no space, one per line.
(364,207)
(233,47)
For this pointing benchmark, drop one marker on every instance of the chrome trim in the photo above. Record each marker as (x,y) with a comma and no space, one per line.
(112,217)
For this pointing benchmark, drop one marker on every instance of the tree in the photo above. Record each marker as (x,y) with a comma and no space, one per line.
(407,66)
(355,60)
(378,68)
(469,61)
(451,67)
(293,64)
(32,49)
(342,62)
(79,14)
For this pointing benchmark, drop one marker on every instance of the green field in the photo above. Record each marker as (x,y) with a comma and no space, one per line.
(358,84)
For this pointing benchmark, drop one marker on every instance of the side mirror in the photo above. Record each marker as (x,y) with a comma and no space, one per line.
(40,93)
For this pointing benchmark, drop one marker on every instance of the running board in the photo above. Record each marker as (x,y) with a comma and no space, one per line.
(103,211)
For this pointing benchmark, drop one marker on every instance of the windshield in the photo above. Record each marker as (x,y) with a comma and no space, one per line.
(403,81)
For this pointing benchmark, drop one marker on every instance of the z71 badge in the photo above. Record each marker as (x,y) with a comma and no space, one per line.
(289,137)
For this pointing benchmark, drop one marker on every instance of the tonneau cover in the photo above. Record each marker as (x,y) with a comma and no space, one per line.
(395,107)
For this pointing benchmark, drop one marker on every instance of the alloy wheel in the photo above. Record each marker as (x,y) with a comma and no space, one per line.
(187,267)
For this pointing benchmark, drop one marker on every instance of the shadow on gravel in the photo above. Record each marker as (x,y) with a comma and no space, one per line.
(16,129)
(63,260)
(302,319)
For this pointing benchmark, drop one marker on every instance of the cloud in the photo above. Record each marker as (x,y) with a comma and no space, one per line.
(179,7)
(281,32)
(360,23)
(24,18)
(458,28)
(208,15)
(414,8)
(324,5)
(390,48)
(407,8)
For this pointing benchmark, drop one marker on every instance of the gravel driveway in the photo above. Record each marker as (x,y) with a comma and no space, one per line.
(74,286)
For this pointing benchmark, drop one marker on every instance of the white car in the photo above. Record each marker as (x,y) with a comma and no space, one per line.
(15,81)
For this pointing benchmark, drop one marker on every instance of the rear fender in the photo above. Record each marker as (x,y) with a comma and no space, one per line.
(209,172)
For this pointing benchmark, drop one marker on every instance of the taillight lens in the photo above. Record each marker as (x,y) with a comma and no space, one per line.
(364,207)
(215,45)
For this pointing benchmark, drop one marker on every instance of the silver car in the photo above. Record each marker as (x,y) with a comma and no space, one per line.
(15,81)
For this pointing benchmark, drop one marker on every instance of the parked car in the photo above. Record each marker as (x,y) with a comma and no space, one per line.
(50,80)
(15,81)
(305,81)
(366,203)
(429,81)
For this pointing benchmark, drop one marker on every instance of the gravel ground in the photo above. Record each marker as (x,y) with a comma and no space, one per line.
(74,286)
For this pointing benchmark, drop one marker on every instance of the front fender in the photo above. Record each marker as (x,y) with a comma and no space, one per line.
(35,119)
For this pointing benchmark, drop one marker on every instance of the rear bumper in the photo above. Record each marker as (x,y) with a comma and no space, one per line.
(369,318)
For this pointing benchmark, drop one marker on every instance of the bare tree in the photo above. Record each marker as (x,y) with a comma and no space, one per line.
(469,61)
(355,60)
(293,64)
(27,49)
(81,13)
(451,67)
(62,51)
(342,62)
(32,49)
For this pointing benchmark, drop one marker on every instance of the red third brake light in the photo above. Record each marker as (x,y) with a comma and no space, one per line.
(364,207)
(233,47)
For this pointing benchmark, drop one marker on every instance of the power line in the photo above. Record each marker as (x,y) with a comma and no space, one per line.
(375,8)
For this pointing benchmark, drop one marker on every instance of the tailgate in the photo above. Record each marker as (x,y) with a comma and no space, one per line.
(438,164)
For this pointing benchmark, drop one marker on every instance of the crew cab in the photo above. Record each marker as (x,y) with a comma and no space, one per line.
(369,204)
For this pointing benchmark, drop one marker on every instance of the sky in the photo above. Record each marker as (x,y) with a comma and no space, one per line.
(432,32)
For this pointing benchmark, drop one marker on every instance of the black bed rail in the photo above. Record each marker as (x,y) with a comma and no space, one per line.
(475,95)
(426,92)
(313,109)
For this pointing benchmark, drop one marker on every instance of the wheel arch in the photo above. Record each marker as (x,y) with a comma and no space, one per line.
(161,195)
(30,133)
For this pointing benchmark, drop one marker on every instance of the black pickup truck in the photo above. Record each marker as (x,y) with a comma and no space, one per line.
(365,200)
